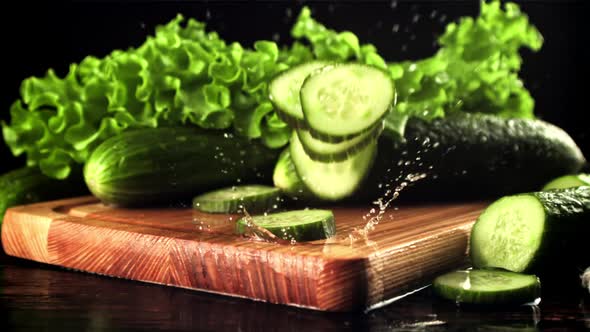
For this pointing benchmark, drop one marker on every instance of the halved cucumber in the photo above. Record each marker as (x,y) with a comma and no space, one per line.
(284,92)
(488,287)
(320,150)
(298,225)
(544,231)
(568,181)
(346,99)
(252,198)
(332,180)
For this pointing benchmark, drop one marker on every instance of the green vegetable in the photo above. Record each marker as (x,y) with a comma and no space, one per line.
(474,156)
(332,181)
(320,150)
(285,177)
(298,225)
(492,287)
(28,185)
(184,75)
(251,198)
(162,165)
(344,100)
(475,70)
(540,231)
(568,181)
(284,92)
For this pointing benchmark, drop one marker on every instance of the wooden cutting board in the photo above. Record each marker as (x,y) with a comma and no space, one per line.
(188,249)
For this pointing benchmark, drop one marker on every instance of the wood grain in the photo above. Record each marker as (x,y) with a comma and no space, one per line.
(185,248)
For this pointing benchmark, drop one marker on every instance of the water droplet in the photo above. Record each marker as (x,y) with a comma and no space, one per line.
(433,13)
(207,14)
(415,18)
(393,4)
(395,28)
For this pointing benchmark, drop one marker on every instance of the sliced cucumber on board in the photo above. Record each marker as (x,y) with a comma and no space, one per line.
(252,198)
(540,231)
(332,180)
(493,287)
(284,92)
(298,225)
(344,100)
(568,181)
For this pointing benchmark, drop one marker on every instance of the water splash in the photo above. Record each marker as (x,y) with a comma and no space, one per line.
(375,216)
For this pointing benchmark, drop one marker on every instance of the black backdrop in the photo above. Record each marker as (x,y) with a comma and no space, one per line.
(35,37)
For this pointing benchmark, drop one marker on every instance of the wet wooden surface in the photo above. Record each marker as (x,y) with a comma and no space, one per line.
(39,297)
(184,248)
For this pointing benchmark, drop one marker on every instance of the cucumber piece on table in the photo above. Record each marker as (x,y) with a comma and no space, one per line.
(298,225)
(252,198)
(344,100)
(492,287)
(285,178)
(284,92)
(545,230)
(568,181)
(332,180)
(320,150)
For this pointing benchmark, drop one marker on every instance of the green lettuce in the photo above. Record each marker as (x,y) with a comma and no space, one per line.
(184,75)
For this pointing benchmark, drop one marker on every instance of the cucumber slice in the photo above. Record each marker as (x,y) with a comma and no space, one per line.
(284,92)
(334,180)
(535,232)
(298,225)
(285,178)
(320,150)
(253,198)
(346,99)
(568,181)
(488,287)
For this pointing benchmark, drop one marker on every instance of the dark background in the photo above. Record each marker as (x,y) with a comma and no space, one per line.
(38,36)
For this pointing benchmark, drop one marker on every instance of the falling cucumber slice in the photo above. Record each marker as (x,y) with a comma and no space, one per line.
(298,225)
(324,151)
(332,181)
(488,287)
(568,181)
(284,92)
(252,198)
(345,100)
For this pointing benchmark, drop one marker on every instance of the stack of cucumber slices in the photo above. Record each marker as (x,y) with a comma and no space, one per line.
(337,111)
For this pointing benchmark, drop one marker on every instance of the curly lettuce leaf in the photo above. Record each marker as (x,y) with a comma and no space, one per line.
(184,75)
(475,70)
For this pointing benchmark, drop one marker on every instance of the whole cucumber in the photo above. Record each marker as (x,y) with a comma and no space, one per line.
(474,156)
(168,165)
(28,185)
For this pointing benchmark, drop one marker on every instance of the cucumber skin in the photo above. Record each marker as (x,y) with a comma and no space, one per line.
(563,246)
(171,165)
(475,157)
(28,185)
(567,227)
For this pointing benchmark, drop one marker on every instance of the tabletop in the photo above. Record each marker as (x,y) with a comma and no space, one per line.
(38,297)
